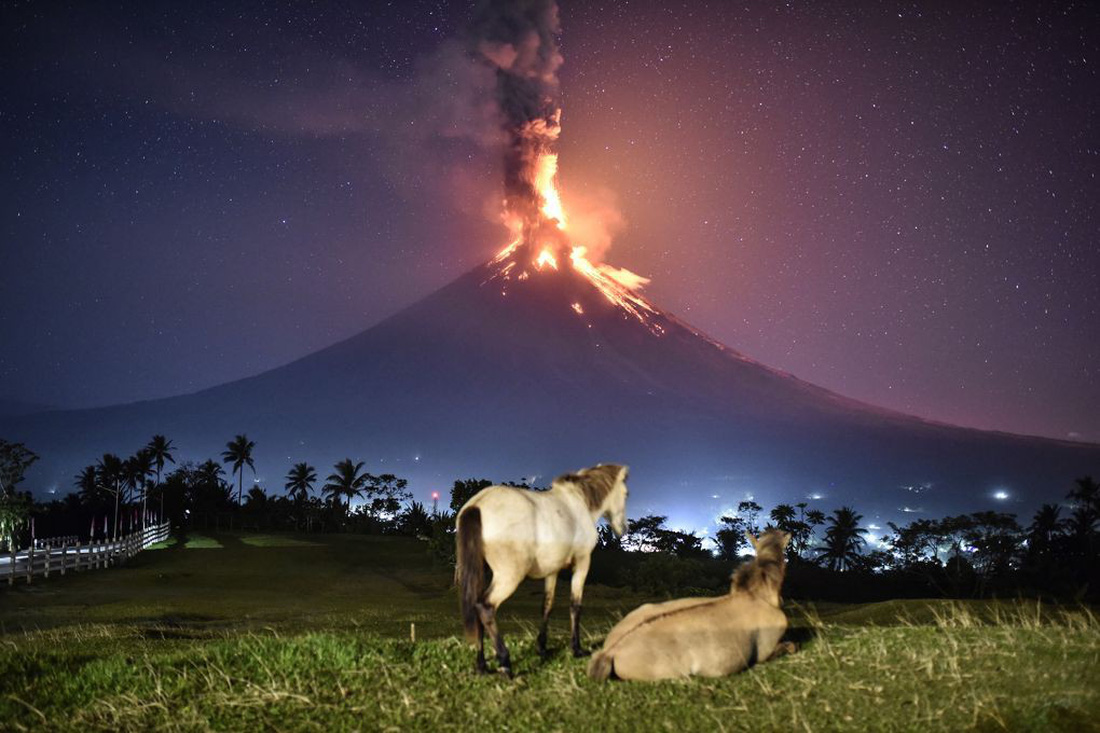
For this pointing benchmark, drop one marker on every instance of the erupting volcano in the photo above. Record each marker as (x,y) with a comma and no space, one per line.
(520,45)
(545,359)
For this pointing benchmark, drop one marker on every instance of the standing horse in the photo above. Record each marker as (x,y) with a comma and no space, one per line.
(712,637)
(529,534)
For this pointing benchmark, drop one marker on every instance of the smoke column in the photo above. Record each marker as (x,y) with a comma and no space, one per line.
(519,41)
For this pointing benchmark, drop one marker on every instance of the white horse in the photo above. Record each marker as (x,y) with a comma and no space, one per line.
(532,534)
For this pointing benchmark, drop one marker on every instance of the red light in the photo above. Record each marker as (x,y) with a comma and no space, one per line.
(435,495)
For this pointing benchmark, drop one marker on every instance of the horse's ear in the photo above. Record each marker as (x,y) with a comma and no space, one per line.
(624,473)
(752,540)
(784,540)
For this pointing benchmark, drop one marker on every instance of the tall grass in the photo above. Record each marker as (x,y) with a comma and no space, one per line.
(172,649)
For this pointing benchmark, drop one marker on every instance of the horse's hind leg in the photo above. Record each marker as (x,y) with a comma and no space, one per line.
(547,604)
(500,588)
(481,666)
(488,616)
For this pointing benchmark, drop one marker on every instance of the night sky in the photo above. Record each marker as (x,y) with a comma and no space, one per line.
(895,202)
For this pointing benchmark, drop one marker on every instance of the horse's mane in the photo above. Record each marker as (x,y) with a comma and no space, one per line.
(594,484)
(766,569)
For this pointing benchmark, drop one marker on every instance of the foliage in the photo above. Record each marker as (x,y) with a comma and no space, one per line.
(299,481)
(385,496)
(731,538)
(238,453)
(14,509)
(415,521)
(15,459)
(345,483)
(843,539)
(463,491)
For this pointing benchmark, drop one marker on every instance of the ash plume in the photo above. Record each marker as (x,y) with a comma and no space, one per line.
(518,40)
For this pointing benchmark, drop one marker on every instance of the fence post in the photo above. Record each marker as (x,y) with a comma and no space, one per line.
(64,553)
(30,563)
(48,556)
(11,568)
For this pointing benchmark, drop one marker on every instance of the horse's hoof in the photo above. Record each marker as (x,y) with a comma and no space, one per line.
(581,653)
(481,668)
(507,672)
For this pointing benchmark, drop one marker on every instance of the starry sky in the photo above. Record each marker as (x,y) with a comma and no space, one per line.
(897,202)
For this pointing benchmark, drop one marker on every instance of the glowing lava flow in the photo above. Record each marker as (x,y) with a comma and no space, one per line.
(546,238)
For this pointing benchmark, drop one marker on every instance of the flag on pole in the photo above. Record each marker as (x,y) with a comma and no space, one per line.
(91,532)
(104,526)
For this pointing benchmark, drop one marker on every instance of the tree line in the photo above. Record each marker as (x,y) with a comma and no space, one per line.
(981,553)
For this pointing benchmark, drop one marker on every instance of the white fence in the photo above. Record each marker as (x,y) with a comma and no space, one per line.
(30,562)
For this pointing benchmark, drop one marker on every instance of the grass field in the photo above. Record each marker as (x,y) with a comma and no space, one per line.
(312,632)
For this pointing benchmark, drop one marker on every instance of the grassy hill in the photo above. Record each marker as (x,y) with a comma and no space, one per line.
(237,631)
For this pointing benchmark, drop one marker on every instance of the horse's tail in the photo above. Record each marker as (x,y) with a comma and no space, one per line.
(601,666)
(470,569)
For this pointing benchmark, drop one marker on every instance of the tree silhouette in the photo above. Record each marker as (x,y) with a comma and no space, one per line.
(385,495)
(299,481)
(210,472)
(416,521)
(88,486)
(15,459)
(643,533)
(843,538)
(749,510)
(208,491)
(784,517)
(463,491)
(135,471)
(344,483)
(1046,526)
(111,476)
(160,448)
(256,499)
(238,452)
(731,538)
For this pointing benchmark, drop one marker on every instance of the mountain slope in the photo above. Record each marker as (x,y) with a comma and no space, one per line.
(504,375)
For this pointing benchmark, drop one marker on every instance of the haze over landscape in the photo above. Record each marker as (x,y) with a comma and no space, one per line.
(860,199)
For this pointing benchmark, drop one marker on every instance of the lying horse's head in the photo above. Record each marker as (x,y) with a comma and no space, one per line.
(763,576)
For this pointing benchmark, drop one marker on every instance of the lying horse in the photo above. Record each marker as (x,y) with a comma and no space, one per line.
(711,637)
(531,534)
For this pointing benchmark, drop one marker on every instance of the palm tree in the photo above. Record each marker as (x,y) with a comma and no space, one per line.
(842,539)
(159,447)
(88,485)
(239,453)
(110,477)
(347,481)
(136,471)
(299,482)
(1045,527)
(210,472)
(783,516)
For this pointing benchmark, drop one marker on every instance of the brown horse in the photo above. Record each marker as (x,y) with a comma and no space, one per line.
(710,637)
(532,534)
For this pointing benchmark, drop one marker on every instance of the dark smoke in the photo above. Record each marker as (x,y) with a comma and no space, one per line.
(519,41)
